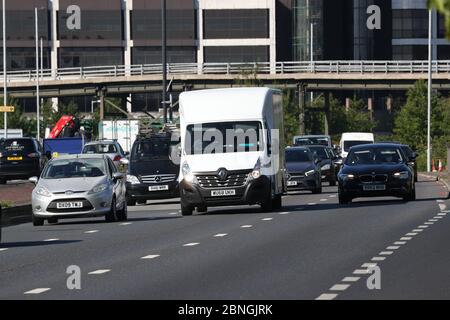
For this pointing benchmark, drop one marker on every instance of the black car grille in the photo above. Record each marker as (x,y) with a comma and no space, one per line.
(378,178)
(159,178)
(87,206)
(233,179)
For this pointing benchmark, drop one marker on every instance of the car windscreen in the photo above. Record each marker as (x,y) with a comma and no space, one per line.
(370,156)
(100,149)
(224,137)
(351,143)
(298,156)
(151,149)
(76,168)
(311,141)
(17,145)
(321,152)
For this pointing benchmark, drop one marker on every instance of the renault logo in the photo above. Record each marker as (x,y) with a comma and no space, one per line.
(222,174)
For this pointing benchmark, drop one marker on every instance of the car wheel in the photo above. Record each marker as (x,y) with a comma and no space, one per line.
(318,190)
(53,220)
(122,214)
(37,222)
(202,209)
(186,210)
(111,216)
(277,202)
(343,199)
(411,196)
(131,202)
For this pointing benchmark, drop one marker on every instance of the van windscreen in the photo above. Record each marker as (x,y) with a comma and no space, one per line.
(151,149)
(348,144)
(224,137)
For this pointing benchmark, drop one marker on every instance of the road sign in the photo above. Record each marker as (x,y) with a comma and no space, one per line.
(7,109)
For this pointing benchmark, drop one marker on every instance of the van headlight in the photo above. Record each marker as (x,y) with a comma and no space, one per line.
(132,179)
(43,192)
(256,172)
(99,188)
(187,173)
(310,173)
(401,175)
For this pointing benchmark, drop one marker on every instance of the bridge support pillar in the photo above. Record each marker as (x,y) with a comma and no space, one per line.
(327,113)
(301,105)
(101,96)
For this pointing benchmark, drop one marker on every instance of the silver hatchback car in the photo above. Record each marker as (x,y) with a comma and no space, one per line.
(79,186)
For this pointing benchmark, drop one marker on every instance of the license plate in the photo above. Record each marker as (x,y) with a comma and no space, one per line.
(158,188)
(69,205)
(15,158)
(292,183)
(223,193)
(374,188)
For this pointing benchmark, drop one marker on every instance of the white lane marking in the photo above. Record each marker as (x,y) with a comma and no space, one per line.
(440,201)
(152,256)
(100,271)
(125,224)
(333,196)
(37,291)
(323,200)
(422,227)
(369,265)
(327,296)
(438,217)
(91,231)
(339,287)
(191,244)
(361,271)
(350,279)
(433,220)
(392,248)
(246,226)
(267,219)
(312,204)
(411,234)
(399,243)
(50,240)
(173,213)
(442,206)
(405,238)
(429,223)
(386,253)
(283,213)
(442,214)
(3,249)
(418,230)
(220,235)
(378,258)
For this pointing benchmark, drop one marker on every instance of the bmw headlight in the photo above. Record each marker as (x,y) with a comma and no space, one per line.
(99,188)
(43,192)
(401,175)
(346,177)
(187,174)
(326,167)
(310,173)
(132,179)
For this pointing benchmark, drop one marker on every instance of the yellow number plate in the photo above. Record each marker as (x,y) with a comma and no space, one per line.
(15,158)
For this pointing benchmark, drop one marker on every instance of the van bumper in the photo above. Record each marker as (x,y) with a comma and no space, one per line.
(252,193)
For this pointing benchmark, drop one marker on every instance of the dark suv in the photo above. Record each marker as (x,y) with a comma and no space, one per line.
(20,158)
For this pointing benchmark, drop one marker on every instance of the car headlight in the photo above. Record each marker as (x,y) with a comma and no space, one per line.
(326,167)
(347,177)
(99,188)
(401,175)
(256,172)
(187,174)
(43,192)
(132,179)
(310,173)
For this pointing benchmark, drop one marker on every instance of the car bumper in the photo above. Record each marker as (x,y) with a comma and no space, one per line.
(251,193)
(18,172)
(395,188)
(142,192)
(303,183)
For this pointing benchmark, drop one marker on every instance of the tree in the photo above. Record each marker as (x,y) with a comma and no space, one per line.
(443,7)
(16,119)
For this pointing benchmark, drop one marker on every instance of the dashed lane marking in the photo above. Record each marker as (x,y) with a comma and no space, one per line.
(405,238)
(411,234)
(192,244)
(327,296)
(283,213)
(267,219)
(100,271)
(361,271)
(418,230)
(429,223)
(152,256)
(91,231)
(386,253)
(378,258)
(220,235)
(350,279)
(37,291)
(3,249)
(393,248)
(323,200)
(369,265)
(399,243)
(339,287)
(246,226)
(422,227)
(125,224)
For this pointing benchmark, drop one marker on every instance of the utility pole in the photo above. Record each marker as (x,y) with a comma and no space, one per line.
(164,57)
(430,79)
(5,77)
(38,102)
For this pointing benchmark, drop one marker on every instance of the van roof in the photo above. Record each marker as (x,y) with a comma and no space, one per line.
(228,104)
(357,135)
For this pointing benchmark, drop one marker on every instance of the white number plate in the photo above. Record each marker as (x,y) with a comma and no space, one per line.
(292,183)
(379,187)
(221,193)
(158,188)
(69,205)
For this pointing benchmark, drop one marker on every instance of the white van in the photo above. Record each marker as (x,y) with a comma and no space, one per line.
(232,148)
(350,139)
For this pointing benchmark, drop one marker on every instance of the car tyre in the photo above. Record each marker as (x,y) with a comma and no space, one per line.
(186,210)
(111,216)
(317,190)
(52,220)
(411,196)
(122,214)
(277,202)
(37,222)
(343,199)
(131,202)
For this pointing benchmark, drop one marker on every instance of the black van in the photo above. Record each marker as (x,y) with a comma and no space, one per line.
(20,158)
(152,170)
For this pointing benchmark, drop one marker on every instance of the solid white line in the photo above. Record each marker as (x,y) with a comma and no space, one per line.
(386,253)
(392,248)
(92,231)
(405,238)
(339,287)
(350,279)
(220,235)
(192,244)
(411,234)
(378,258)
(3,249)
(267,219)
(37,291)
(100,271)
(327,296)
(125,224)
(246,226)
(152,256)
(50,240)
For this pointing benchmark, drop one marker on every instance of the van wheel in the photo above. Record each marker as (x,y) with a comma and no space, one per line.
(186,210)
(122,214)
(131,202)
(277,202)
(53,220)
(37,222)
(111,216)
(318,190)
(267,204)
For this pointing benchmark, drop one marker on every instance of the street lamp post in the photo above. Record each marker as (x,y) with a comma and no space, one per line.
(164,58)
(38,102)
(430,79)
(5,79)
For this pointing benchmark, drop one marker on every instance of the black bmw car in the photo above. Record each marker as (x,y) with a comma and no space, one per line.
(303,170)
(376,170)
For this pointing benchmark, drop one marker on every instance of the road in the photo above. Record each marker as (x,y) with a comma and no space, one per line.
(312,249)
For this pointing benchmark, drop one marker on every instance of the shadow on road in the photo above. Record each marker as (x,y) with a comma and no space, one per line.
(25,244)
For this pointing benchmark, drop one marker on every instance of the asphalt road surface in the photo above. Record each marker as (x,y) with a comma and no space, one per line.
(311,249)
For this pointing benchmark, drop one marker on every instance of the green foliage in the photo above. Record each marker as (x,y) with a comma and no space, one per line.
(443,7)
(16,120)
(291,116)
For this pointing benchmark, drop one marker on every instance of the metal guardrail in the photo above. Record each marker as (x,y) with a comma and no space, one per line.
(316,67)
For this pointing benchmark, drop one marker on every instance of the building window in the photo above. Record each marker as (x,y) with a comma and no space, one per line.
(237,54)
(410,52)
(20,25)
(146,24)
(24,58)
(95,25)
(410,23)
(236,24)
(443,52)
(88,57)
(153,55)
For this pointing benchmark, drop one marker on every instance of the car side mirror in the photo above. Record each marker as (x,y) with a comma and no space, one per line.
(124,161)
(414,156)
(34,180)
(117,176)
